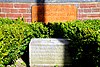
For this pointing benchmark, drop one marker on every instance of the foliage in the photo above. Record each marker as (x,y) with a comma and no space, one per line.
(84,37)
(55,30)
(40,30)
(13,41)
(85,42)
(15,36)
(10,21)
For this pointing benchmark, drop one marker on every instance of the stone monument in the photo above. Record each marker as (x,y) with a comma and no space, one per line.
(49,52)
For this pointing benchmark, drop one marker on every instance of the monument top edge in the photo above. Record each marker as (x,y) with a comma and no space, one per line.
(49,39)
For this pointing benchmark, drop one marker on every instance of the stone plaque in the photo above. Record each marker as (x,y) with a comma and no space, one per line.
(49,52)
(53,13)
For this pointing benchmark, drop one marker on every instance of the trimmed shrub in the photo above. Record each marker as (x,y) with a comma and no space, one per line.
(85,42)
(84,37)
(10,21)
(40,30)
(55,30)
(14,38)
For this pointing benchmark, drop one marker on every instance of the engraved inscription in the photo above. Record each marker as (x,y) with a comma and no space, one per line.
(53,13)
(48,51)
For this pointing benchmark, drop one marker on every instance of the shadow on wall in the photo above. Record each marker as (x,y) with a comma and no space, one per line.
(41,11)
(40,18)
(38,11)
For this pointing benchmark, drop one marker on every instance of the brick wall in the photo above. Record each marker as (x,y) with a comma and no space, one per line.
(14,10)
(88,10)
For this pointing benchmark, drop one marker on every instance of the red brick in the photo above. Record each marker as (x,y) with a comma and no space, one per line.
(22,10)
(21,5)
(27,15)
(87,10)
(87,5)
(28,10)
(6,10)
(98,5)
(80,10)
(82,15)
(2,15)
(14,10)
(96,10)
(28,20)
(94,15)
(11,10)
(85,18)
(6,5)
(0,10)
(78,18)
(13,15)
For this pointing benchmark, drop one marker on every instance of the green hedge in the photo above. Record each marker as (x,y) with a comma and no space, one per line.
(84,38)
(10,21)
(40,30)
(85,43)
(15,36)
(13,41)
